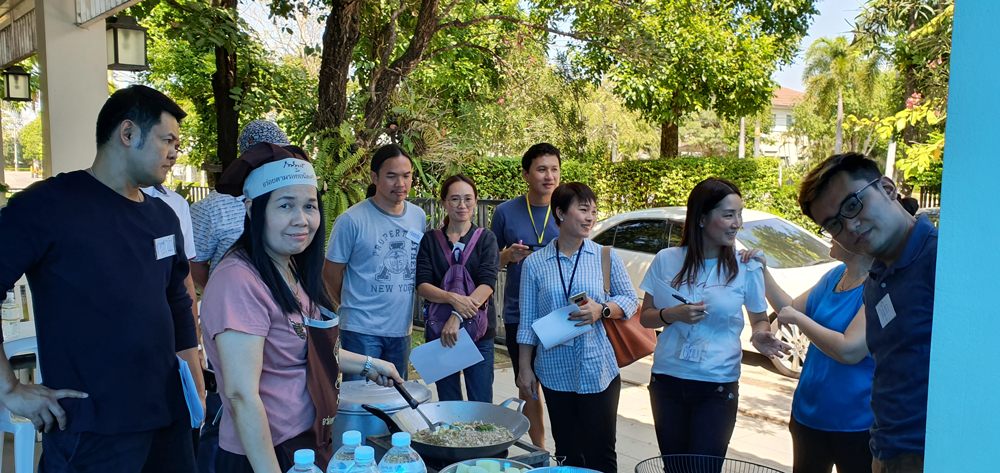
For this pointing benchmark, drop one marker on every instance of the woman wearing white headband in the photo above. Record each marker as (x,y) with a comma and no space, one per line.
(268,322)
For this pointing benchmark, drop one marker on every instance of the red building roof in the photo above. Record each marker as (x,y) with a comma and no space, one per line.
(784,97)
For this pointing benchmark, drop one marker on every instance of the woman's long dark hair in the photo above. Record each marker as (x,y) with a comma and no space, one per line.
(306,266)
(703,198)
(446,187)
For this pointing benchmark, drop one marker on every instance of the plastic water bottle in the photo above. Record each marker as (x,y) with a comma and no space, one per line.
(343,460)
(11,316)
(364,461)
(305,462)
(401,458)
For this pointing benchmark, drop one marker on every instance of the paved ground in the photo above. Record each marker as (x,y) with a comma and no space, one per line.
(18,179)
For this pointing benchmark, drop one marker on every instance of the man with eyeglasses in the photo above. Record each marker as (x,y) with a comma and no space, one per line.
(850,198)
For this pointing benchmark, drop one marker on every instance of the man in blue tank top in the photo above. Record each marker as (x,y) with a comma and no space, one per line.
(850,198)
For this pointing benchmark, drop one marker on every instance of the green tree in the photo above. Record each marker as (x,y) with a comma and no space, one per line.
(30,140)
(831,67)
(715,56)
(183,65)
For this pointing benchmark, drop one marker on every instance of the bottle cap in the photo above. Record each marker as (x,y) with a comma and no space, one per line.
(304,457)
(352,437)
(400,439)
(364,453)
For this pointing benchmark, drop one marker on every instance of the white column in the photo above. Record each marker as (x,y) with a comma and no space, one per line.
(963,413)
(74,85)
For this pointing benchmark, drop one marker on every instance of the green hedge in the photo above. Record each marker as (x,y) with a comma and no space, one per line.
(500,178)
(641,184)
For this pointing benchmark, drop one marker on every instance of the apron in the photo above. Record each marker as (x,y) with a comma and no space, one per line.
(323,384)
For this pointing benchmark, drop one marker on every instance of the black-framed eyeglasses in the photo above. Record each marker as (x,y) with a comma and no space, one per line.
(850,207)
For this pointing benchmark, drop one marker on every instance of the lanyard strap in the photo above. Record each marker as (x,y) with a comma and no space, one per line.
(532,218)
(573,275)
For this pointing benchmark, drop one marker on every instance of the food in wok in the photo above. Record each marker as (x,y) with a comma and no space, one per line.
(465,434)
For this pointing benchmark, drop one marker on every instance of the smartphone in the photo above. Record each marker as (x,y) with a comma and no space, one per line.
(210,383)
(579,299)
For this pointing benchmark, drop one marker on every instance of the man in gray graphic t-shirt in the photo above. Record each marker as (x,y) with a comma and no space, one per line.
(371,261)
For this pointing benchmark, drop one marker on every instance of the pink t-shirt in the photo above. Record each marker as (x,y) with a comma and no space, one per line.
(237,299)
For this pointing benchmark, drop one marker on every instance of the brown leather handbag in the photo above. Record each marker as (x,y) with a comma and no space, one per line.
(628,337)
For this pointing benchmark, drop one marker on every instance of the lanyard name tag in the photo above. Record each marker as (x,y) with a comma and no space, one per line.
(693,352)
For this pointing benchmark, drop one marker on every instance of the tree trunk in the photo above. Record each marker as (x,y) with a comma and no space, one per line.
(838,144)
(910,83)
(756,139)
(343,29)
(390,77)
(227,118)
(669,139)
(743,138)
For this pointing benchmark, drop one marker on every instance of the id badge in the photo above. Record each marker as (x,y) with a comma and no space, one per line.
(693,351)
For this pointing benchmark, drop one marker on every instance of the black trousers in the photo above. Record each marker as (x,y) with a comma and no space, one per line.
(583,426)
(514,349)
(816,451)
(693,417)
(166,450)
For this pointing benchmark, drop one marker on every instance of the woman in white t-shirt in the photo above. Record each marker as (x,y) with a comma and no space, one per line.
(694,388)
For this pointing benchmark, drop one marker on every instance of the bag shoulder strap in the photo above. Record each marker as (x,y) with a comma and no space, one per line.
(606,267)
(472,244)
(439,235)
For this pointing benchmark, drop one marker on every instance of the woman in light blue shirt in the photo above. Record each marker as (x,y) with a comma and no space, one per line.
(694,390)
(580,378)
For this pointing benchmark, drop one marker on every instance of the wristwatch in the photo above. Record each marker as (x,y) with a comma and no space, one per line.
(605,311)
(367,369)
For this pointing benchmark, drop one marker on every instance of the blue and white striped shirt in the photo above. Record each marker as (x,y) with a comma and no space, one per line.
(218,223)
(588,365)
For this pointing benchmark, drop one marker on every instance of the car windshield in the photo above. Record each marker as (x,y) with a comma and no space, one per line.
(785,245)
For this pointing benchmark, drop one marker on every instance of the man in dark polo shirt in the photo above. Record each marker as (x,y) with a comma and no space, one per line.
(850,198)
(106,265)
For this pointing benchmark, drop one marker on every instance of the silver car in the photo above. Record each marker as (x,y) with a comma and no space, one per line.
(796,258)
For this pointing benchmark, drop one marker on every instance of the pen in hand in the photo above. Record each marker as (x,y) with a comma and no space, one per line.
(684,301)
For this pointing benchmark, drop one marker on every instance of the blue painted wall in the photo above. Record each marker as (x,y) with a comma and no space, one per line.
(963,422)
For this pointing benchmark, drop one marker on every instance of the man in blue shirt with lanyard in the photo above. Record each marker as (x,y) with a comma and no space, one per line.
(851,199)
(523,225)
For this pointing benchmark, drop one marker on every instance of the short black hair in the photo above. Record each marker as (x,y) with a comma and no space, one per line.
(386,153)
(815,182)
(564,196)
(140,104)
(541,149)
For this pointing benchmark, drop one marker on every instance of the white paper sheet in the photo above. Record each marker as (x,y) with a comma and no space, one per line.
(555,328)
(435,361)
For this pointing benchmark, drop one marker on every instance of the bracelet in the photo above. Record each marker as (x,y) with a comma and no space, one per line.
(665,323)
(368,367)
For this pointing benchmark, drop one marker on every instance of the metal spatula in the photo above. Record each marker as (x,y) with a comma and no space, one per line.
(416,406)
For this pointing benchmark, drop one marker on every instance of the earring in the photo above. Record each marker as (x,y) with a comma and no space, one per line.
(703,225)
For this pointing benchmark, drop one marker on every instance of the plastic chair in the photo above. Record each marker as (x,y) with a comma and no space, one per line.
(22,428)
(699,464)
